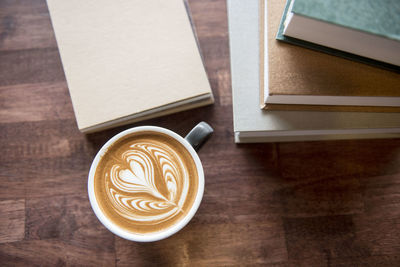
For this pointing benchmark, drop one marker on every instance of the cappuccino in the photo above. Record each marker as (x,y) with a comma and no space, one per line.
(146,182)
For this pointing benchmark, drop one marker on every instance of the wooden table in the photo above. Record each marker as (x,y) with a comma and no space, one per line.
(309,203)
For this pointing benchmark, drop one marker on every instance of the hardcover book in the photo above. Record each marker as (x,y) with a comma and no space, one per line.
(366,28)
(126,61)
(252,124)
(304,79)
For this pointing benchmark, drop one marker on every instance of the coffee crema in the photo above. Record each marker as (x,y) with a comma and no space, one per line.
(146,182)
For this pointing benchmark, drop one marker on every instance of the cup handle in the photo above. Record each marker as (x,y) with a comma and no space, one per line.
(199,135)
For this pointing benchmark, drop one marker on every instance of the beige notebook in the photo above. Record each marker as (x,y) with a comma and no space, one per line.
(128,60)
(297,78)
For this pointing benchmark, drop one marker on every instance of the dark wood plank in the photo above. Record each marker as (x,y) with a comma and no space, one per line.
(328,203)
(25,24)
(339,158)
(12,223)
(199,245)
(71,220)
(46,101)
(321,197)
(30,66)
(381,260)
(52,252)
(39,131)
(322,238)
(378,226)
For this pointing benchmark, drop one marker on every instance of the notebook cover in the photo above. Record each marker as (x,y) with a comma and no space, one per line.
(375,17)
(127,58)
(329,50)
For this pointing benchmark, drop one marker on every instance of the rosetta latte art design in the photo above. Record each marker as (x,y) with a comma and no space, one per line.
(148,183)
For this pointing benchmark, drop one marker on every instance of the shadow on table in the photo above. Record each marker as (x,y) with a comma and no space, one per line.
(327,191)
(180,123)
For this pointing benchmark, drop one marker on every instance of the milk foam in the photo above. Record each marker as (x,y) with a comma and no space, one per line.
(148,183)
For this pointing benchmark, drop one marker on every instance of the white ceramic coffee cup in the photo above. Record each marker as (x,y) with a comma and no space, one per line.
(194,139)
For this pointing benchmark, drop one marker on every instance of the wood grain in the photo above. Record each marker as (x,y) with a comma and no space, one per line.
(262,244)
(30,66)
(328,203)
(25,24)
(12,223)
(47,101)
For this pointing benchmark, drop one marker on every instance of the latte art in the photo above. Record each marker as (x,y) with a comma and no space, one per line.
(132,189)
(146,182)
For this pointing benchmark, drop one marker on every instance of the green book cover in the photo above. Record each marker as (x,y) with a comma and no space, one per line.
(304,4)
(380,17)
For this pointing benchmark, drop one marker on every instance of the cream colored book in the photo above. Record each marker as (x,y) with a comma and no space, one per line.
(128,60)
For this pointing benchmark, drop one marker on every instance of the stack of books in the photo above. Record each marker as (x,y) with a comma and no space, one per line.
(300,72)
